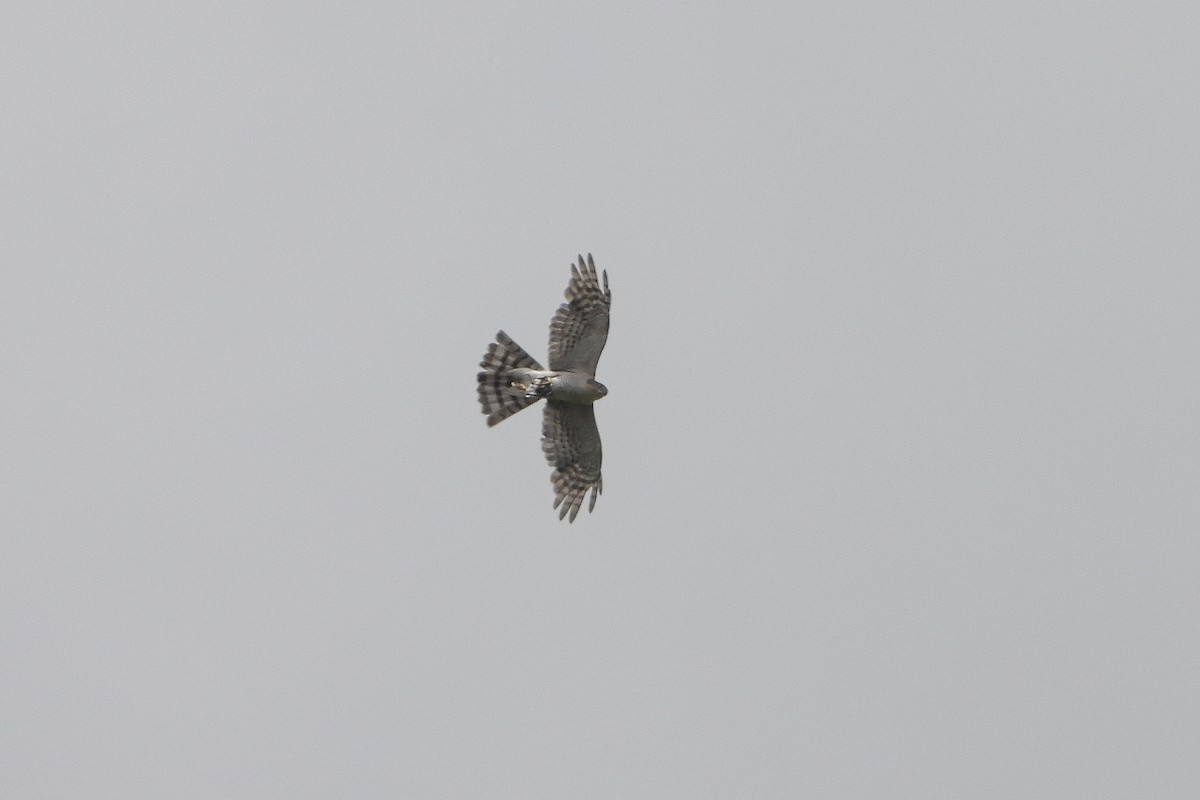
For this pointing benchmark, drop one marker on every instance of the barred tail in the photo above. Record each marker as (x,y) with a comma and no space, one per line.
(498,399)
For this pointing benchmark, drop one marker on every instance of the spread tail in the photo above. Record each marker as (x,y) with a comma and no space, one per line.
(496,394)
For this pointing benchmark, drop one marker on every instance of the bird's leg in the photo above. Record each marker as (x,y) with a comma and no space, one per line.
(538,387)
(529,383)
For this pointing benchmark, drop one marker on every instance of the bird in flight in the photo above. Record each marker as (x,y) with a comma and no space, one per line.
(512,380)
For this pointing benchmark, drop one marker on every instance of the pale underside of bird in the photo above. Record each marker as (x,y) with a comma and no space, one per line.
(512,380)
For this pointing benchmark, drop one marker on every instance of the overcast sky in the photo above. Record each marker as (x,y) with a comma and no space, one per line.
(902,440)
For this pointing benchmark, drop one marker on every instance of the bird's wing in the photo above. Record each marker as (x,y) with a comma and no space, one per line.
(580,326)
(571,442)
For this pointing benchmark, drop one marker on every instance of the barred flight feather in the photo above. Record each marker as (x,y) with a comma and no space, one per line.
(503,356)
(579,328)
(571,442)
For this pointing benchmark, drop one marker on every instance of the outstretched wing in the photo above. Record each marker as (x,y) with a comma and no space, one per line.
(571,442)
(580,326)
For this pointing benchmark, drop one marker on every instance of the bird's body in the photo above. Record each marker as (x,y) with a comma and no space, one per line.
(564,387)
(512,380)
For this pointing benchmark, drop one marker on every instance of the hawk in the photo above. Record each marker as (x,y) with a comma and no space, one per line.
(512,380)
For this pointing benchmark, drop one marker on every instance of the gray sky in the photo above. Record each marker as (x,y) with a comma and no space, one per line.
(901,446)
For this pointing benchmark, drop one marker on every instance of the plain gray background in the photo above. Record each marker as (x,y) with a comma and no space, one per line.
(901,445)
